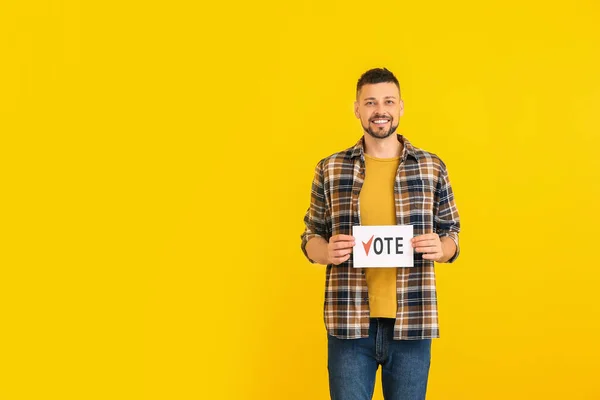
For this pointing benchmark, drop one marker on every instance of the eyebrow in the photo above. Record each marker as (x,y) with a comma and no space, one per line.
(386,97)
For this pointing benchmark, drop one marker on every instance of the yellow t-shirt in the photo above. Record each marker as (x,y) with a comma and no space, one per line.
(377,208)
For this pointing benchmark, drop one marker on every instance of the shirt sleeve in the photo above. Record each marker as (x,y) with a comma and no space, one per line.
(315,218)
(447,220)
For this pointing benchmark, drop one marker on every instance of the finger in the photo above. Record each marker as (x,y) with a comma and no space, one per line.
(427,249)
(342,238)
(341,253)
(432,256)
(428,236)
(416,240)
(339,260)
(342,245)
(425,243)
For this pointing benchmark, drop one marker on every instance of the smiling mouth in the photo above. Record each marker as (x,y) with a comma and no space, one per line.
(380,121)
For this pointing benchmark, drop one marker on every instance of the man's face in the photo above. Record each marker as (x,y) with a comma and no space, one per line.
(379,109)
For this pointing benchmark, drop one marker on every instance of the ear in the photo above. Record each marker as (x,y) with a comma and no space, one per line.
(356,113)
(401,103)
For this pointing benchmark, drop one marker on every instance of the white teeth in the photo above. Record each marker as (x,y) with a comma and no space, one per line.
(380,121)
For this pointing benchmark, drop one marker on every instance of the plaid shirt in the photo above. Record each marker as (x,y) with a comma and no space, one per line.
(423,199)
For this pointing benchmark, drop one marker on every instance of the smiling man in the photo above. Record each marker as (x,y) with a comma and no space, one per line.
(380,316)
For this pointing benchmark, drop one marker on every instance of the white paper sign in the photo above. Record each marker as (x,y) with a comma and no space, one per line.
(383,246)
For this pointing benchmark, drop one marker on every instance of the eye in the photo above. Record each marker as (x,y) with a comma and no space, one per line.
(369,103)
(390,101)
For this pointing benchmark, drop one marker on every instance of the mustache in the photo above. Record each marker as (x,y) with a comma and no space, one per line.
(379,116)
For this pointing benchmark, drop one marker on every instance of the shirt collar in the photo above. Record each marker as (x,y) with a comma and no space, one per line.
(358,149)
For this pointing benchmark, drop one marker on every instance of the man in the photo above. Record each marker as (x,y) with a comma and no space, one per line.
(380,316)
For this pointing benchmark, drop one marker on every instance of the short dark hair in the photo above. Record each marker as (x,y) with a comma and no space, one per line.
(376,75)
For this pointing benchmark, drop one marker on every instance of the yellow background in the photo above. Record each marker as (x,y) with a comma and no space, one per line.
(155,165)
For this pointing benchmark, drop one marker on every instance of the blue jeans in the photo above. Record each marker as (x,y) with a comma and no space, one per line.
(353,363)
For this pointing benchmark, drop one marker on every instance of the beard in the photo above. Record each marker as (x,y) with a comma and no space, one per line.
(380,132)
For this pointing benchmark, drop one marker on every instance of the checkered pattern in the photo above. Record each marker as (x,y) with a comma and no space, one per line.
(423,199)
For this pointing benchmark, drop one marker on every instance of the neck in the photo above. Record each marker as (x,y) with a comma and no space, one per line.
(383,148)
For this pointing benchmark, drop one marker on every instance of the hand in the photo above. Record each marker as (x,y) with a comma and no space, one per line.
(339,249)
(430,245)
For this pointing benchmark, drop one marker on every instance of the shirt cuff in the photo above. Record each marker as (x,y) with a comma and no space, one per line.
(454,237)
(305,239)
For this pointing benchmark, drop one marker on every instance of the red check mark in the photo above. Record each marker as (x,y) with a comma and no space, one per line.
(367,245)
